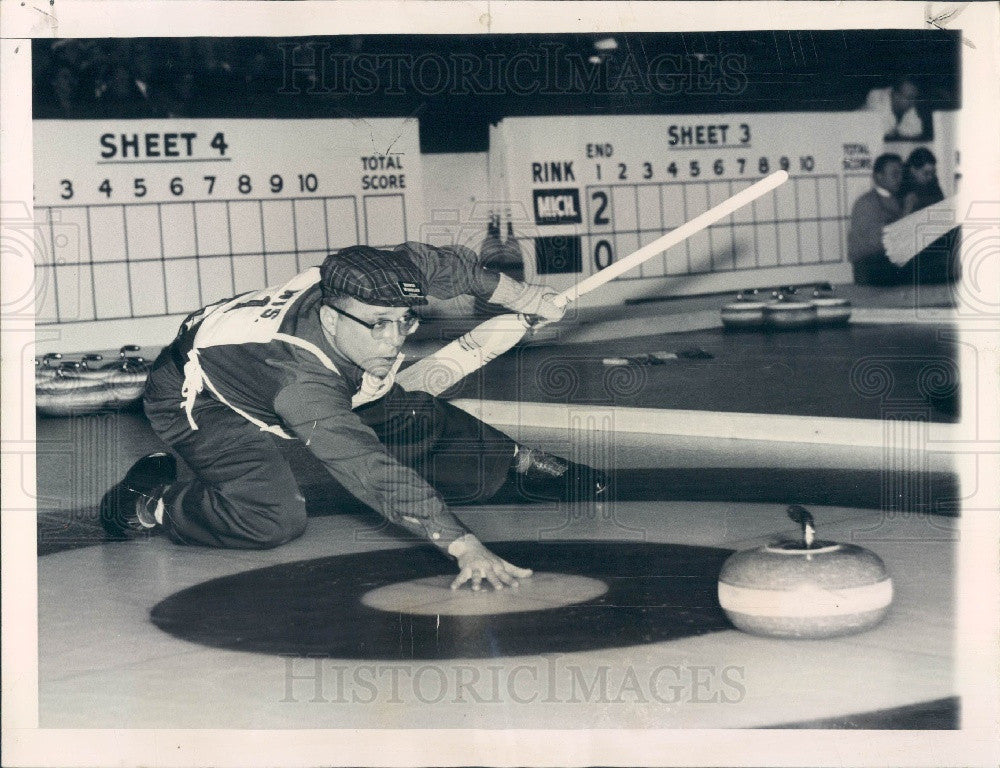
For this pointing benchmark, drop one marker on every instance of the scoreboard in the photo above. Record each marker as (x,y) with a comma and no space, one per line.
(141,221)
(591,190)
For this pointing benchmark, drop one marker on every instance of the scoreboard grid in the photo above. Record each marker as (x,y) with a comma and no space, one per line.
(201,251)
(645,175)
(823,217)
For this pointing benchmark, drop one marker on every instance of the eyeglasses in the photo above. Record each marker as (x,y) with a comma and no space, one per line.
(381,329)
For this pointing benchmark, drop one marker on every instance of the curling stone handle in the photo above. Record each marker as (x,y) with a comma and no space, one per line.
(801,515)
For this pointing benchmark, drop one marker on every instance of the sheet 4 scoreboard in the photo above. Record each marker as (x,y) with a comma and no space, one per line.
(585,191)
(146,220)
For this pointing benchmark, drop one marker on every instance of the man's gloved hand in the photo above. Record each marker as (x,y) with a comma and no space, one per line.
(476,562)
(528,299)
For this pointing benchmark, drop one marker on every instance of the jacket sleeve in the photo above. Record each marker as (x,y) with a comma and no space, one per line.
(316,407)
(864,237)
(451,271)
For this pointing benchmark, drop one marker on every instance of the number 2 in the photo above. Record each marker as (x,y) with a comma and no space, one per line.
(599,217)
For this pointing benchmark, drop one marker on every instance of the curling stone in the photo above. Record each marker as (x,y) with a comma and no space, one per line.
(47,367)
(88,367)
(830,309)
(788,313)
(805,589)
(85,397)
(78,388)
(128,373)
(747,312)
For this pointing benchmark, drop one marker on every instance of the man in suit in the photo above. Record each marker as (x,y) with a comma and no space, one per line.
(872,211)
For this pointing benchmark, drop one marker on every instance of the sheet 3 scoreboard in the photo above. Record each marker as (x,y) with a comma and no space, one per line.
(590,190)
(146,220)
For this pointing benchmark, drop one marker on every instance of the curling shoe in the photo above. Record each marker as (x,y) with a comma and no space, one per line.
(546,476)
(129,508)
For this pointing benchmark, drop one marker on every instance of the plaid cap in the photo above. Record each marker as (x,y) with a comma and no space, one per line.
(372,276)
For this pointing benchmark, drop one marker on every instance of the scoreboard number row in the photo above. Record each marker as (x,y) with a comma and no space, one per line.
(694,168)
(178,185)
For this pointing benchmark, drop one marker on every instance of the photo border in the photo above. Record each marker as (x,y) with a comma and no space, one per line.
(976,603)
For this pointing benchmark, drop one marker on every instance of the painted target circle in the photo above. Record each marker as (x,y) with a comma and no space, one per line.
(433,596)
(655,592)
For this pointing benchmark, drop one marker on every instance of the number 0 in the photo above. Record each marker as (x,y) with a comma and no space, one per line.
(603,255)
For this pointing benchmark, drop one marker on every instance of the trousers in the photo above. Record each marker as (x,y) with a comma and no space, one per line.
(244,493)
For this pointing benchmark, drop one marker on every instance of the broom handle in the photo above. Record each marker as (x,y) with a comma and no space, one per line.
(672,238)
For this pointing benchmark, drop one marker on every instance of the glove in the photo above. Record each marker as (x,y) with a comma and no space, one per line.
(528,299)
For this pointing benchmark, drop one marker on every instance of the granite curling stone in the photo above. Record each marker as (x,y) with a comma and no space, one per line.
(805,589)
(747,312)
(786,313)
(831,309)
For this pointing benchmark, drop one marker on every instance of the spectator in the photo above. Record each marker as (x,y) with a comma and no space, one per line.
(120,96)
(897,109)
(936,262)
(62,102)
(879,207)
(872,211)
(920,182)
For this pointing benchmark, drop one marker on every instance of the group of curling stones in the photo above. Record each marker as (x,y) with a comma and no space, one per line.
(89,384)
(805,588)
(785,310)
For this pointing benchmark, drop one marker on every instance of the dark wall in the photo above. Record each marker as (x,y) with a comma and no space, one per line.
(457,84)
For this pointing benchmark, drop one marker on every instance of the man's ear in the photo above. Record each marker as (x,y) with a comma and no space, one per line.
(327,318)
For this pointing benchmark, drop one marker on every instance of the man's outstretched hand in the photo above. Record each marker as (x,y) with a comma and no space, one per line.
(476,563)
